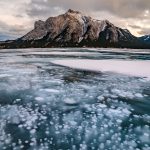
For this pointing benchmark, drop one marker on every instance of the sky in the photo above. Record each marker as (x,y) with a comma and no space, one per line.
(17,17)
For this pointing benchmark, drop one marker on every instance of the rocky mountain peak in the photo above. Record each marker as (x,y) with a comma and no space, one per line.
(73,11)
(74,29)
(39,24)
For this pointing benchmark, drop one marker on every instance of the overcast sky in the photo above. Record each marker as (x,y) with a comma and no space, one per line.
(17,16)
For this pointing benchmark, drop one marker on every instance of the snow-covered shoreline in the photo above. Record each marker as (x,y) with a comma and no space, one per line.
(127,67)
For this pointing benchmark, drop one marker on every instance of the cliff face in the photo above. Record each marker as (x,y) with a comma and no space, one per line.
(73,29)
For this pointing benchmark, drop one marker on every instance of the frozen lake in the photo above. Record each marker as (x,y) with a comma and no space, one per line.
(71,99)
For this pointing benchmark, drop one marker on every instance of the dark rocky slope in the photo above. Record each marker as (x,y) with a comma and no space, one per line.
(73,29)
(145,39)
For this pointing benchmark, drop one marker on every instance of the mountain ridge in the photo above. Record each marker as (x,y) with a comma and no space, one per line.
(74,29)
(145,38)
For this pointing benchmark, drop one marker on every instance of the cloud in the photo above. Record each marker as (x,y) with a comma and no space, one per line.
(135,26)
(121,8)
(119,12)
(19,16)
(144,31)
(4,37)
(14,21)
(11,31)
(141,26)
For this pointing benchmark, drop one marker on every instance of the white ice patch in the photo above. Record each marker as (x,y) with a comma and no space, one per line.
(124,51)
(4,75)
(124,94)
(53,91)
(70,101)
(64,53)
(133,68)
(39,99)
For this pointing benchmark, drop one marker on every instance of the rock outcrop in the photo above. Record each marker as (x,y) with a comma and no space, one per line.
(74,29)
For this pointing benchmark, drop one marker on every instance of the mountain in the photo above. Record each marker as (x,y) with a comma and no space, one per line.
(74,29)
(145,38)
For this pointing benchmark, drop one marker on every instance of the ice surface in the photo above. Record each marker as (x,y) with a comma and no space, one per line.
(135,68)
(62,53)
(47,106)
(70,101)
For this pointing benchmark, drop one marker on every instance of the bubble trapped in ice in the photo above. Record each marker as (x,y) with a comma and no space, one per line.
(46,106)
